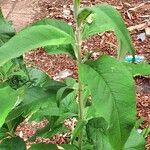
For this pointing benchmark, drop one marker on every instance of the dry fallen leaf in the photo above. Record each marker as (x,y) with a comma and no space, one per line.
(147,31)
(138,27)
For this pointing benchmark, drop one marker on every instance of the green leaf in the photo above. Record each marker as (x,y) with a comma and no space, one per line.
(62,92)
(6,30)
(69,104)
(5,69)
(52,85)
(77,130)
(62,25)
(106,18)
(15,143)
(83,14)
(13,124)
(113,96)
(141,69)
(43,147)
(50,110)
(63,49)
(39,77)
(31,38)
(8,98)
(56,131)
(68,147)
(71,83)
(135,141)
(33,99)
(47,132)
(3,133)
(96,130)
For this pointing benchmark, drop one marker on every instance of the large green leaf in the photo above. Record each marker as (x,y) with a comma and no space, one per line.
(106,18)
(141,69)
(15,143)
(43,146)
(6,30)
(96,130)
(135,141)
(31,38)
(62,25)
(113,96)
(8,98)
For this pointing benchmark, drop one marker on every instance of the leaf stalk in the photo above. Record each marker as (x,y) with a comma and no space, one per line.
(79,60)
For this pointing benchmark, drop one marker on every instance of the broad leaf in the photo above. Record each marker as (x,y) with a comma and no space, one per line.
(62,92)
(15,143)
(52,85)
(50,110)
(141,69)
(37,76)
(62,25)
(5,69)
(78,129)
(71,83)
(31,38)
(106,18)
(60,49)
(8,98)
(113,96)
(43,146)
(135,141)
(69,104)
(96,130)
(6,30)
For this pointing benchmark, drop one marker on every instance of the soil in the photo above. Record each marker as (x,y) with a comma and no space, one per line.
(136,16)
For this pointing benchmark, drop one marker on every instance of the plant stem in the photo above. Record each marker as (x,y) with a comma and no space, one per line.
(79,60)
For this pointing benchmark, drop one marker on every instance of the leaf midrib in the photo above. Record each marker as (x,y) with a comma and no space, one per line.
(113,96)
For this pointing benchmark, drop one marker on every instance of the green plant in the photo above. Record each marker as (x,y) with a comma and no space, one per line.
(102,99)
